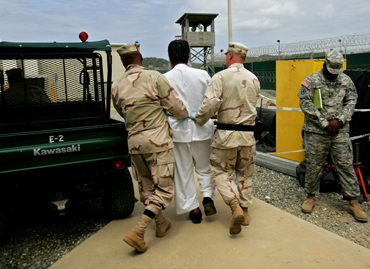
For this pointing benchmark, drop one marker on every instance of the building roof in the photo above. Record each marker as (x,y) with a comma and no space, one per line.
(197,18)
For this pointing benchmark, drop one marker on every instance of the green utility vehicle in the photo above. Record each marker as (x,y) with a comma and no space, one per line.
(58,143)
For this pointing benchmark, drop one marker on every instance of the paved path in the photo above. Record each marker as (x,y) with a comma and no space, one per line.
(274,239)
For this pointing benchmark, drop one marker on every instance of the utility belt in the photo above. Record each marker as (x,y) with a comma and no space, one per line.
(257,129)
(236,127)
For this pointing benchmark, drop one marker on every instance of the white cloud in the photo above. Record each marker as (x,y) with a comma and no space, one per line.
(280,8)
(327,11)
(256,24)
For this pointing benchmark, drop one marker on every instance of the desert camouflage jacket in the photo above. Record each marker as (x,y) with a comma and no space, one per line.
(232,94)
(339,99)
(141,97)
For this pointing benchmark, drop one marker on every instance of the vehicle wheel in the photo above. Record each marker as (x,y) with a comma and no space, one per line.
(119,200)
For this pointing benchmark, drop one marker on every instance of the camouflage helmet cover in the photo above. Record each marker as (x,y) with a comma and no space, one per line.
(334,62)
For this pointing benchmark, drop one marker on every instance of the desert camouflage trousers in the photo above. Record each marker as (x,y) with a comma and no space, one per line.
(154,174)
(223,163)
(317,147)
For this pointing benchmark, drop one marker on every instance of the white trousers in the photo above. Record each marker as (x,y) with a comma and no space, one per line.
(188,156)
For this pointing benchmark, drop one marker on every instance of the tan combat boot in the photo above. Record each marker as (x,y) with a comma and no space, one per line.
(237,218)
(246,216)
(135,237)
(162,225)
(309,203)
(355,209)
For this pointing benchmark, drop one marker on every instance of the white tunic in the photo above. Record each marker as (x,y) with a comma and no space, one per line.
(190,84)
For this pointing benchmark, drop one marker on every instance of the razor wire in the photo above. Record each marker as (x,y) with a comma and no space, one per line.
(348,44)
(265,76)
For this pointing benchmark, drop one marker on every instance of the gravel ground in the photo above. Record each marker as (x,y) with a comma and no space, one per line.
(38,242)
(38,239)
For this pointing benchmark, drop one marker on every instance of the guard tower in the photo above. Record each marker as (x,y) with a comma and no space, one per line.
(201,40)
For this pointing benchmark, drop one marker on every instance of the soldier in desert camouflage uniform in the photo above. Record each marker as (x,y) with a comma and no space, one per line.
(141,97)
(326,130)
(232,94)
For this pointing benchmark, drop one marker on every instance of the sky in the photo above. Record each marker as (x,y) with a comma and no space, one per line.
(255,23)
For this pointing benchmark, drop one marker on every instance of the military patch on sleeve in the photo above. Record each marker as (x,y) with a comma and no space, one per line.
(305,83)
(303,91)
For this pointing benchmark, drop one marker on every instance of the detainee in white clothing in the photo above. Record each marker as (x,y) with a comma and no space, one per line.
(192,142)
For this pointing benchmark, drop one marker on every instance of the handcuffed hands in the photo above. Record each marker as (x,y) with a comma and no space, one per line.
(192,116)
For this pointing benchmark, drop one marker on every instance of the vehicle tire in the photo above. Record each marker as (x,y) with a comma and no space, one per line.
(119,200)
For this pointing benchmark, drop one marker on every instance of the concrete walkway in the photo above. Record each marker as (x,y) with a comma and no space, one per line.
(274,239)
